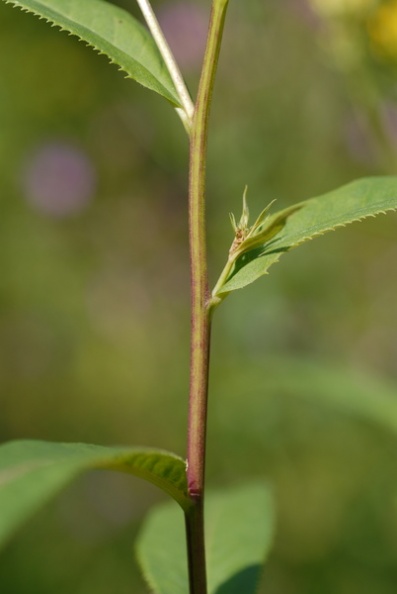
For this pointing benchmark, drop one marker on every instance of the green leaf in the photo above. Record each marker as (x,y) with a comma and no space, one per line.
(266,384)
(352,392)
(353,202)
(31,472)
(239,531)
(111,31)
(161,550)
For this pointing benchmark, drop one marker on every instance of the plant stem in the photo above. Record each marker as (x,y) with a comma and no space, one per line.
(198,258)
(172,66)
(194,520)
(201,316)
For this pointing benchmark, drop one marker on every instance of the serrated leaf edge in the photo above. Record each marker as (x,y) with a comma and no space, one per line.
(356,219)
(165,93)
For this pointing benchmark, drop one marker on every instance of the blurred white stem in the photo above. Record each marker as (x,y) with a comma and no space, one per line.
(169,60)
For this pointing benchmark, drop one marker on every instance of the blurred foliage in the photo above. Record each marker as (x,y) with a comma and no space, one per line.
(94,286)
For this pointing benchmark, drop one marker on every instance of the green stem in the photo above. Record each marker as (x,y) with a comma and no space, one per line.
(201,317)
(215,298)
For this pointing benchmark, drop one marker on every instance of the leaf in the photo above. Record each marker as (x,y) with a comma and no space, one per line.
(265,385)
(31,472)
(161,550)
(240,526)
(111,31)
(352,392)
(239,531)
(353,202)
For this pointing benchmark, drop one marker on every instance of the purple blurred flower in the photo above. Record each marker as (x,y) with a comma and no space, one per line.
(389,120)
(185,27)
(59,180)
(305,12)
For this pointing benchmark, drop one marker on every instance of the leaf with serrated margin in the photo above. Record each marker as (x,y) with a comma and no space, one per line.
(353,202)
(31,472)
(239,532)
(111,31)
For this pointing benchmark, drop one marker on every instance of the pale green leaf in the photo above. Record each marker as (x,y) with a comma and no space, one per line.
(265,385)
(111,31)
(31,472)
(353,202)
(239,530)
(352,392)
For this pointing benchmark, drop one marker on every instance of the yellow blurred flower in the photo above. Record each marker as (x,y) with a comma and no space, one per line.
(335,8)
(383,29)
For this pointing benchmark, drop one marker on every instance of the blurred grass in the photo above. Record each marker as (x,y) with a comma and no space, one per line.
(94,302)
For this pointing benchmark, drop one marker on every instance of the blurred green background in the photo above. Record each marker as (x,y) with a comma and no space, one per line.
(94,288)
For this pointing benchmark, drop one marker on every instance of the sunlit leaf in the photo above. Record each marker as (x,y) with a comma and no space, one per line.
(111,31)
(31,472)
(239,531)
(353,202)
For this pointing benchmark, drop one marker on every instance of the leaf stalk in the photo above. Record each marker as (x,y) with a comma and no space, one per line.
(186,114)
